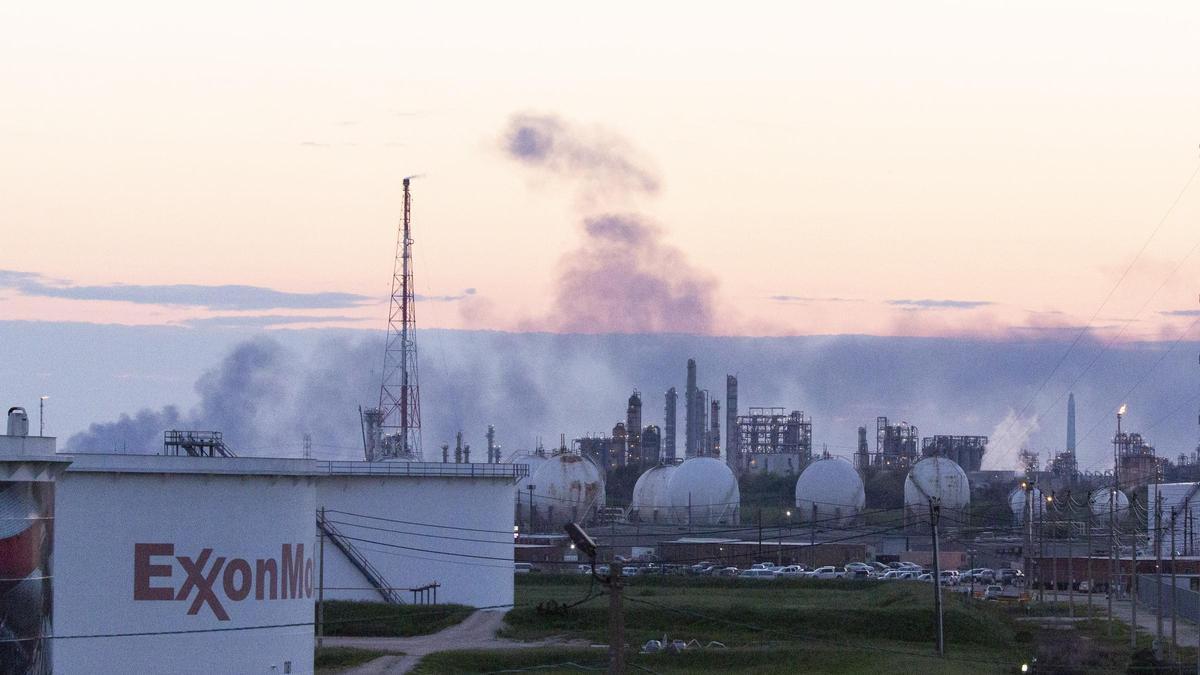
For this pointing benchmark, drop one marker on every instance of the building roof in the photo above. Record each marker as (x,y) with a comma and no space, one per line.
(283,466)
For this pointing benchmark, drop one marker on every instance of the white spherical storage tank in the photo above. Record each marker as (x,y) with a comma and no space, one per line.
(651,501)
(704,491)
(568,487)
(1016,502)
(195,564)
(530,458)
(936,477)
(830,490)
(1100,503)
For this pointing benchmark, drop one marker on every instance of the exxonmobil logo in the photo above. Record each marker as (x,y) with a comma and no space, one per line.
(210,580)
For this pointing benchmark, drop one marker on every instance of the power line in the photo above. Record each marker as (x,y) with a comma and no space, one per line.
(1107,298)
(231,629)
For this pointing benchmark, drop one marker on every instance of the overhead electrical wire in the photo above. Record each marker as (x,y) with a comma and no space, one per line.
(1108,297)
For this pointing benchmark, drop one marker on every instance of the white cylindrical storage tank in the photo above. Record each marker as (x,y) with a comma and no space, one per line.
(1100,503)
(704,491)
(203,564)
(936,477)
(567,487)
(1016,502)
(651,501)
(830,491)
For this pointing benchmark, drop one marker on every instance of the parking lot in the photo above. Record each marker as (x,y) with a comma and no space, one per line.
(985,582)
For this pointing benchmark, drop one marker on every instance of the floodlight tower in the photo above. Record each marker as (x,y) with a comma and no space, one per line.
(399,395)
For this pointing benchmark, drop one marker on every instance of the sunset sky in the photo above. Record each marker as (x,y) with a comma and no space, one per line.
(986,169)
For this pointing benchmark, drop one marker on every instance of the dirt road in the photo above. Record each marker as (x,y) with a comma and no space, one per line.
(477,631)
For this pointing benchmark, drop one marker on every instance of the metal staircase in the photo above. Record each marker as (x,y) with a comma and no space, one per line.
(373,576)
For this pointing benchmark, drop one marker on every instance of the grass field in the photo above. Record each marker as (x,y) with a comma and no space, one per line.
(766,627)
(333,659)
(376,619)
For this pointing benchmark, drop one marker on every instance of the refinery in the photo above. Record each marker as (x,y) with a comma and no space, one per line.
(715,485)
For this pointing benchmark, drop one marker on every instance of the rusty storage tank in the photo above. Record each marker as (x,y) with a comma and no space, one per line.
(567,487)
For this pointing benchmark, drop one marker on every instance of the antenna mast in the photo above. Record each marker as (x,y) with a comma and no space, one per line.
(399,395)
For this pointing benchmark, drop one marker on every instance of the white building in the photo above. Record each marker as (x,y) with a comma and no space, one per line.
(213,564)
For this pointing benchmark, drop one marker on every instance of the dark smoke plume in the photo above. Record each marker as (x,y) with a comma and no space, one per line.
(541,384)
(596,159)
(623,277)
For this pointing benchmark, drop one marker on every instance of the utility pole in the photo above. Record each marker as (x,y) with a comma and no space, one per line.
(1070,558)
(760,532)
(1133,577)
(934,513)
(321,581)
(1158,561)
(1041,575)
(616,622)
(1112,525)
(1091,582)
(1174,596)
(812,539)
(531,513)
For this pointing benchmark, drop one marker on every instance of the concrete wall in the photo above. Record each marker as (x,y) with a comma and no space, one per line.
(124,540)
(457,531)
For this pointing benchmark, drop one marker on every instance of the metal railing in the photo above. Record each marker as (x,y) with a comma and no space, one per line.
(373,575)
(425,469)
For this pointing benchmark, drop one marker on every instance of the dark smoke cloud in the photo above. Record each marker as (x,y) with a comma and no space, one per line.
(596,159)
(623,277)
(264,394)
(243,397)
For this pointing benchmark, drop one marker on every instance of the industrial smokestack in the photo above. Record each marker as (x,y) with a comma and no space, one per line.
(692,413)
(669,426)
(714,445)
(1071,423)
(731,431)
(633,426)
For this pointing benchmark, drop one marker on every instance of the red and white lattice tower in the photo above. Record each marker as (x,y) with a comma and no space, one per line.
(399,413)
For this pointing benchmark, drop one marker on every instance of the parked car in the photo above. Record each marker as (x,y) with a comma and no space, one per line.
(726,572)
(993,592)
(949,577)
(826,572)
(790,571)
(1085,587)
(892,575)
(880,568)
(1011,576)
(909,575)
(756,574)
(856,573)
(979,575)
(926,576)
(630,571)
(522,568)
(702,567)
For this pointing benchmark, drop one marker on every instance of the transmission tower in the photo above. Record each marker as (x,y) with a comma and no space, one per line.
(395,426)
